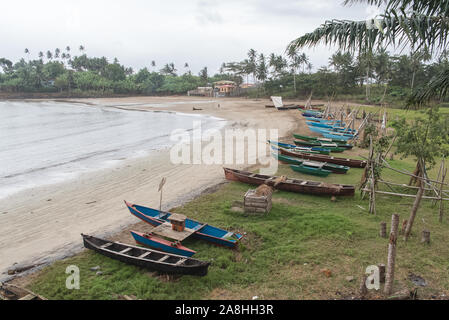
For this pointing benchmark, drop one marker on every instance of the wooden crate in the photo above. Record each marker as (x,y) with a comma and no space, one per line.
(254,204)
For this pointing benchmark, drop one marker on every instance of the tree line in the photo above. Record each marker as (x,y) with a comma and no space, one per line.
(376,77)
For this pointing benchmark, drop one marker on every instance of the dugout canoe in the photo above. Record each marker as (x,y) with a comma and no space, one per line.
(335,168)
(354,163)
(289,184)
(146,258)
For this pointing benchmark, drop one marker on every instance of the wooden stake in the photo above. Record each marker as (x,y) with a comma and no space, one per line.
(383,229)
(381,267)
(161,186)
(391,254)
(425,238)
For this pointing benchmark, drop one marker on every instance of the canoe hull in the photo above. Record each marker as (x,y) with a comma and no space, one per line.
(292,185)
(161,244)
(202,231)
(322,158)
(188,267)
(309,170)
(334,168)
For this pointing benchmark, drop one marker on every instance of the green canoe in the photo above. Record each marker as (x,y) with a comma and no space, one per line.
(310,169)
(330,148)
(335,168)
(309,138)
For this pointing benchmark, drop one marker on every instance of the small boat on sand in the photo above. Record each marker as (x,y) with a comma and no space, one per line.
(147,258)
(332,146)
(289,184)
(354,163)
(312,168)
(162,221)
(335,168)
(310,138)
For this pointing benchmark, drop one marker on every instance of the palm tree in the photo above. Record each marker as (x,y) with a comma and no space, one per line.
(57,52)
(27,52)
(81,48)
(40,55)
(153,63)
(251,67)
(262,69)
(49,55)
(419,24)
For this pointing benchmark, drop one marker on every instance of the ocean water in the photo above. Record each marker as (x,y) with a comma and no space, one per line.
(48,142)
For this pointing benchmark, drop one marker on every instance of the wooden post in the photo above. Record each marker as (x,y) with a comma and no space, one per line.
(161,186)
(425,238)
(415,207)
(381,267)
(363,290)
(383,229)
(389,279)
(441,195)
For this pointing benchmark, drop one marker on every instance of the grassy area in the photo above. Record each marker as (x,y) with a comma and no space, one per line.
(283,253)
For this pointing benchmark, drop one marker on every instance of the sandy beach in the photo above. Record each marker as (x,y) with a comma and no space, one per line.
(44,223)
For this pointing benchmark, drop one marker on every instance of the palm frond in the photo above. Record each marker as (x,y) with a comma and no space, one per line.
(393,28)
(437,87)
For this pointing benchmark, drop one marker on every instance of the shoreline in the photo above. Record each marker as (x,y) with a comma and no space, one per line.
(41,218)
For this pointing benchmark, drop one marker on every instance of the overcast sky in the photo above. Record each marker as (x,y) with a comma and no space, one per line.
(199,32)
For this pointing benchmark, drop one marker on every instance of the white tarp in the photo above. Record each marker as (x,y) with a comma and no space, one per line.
(277,101)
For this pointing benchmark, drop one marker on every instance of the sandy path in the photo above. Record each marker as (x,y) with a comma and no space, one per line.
(45,223)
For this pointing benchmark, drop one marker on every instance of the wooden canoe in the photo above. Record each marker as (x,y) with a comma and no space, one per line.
(354,163)
(333,146)
(309,138)
(289,184)
(335,168)
(13,292)
(147,258)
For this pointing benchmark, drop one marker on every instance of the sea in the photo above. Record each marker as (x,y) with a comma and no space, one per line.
(47,142)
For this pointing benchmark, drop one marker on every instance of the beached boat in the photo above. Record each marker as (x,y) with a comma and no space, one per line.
(309,113)
(335,168)
(332,134)
(354,163)
(333,146)
(197,229)
(330,127)
(312,168)
(13,292)
(303,149)
(289,184)
(152,241)
(147,258)
(327,121)
(310,138)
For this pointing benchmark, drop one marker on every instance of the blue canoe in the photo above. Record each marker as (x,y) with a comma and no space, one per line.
(329,127)
(330,122)
(201,230)
(150,240)
(332,134)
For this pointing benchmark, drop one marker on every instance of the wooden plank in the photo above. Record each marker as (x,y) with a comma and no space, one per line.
(143,255)
(126,250)
(28,297)
(163,258)
(180,262)
(404,195)
(106,245)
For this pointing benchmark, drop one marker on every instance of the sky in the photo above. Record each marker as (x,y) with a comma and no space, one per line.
(198,32)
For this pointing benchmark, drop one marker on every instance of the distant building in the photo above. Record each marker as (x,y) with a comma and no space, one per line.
(224,88)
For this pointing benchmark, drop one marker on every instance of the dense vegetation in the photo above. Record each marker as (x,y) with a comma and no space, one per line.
(374,77)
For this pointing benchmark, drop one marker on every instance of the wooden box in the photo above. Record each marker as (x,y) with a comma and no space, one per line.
(255,204)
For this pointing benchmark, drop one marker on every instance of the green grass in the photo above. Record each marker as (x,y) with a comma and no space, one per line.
(282,253)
